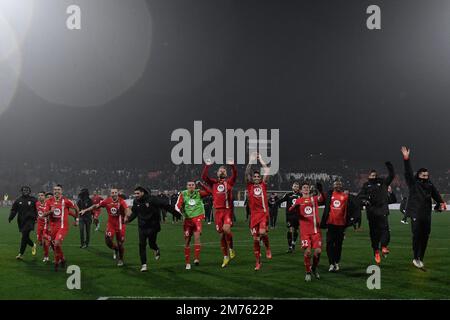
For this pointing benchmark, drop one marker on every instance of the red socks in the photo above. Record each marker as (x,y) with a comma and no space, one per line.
(307,263)
(256,249)
(197,251)
(265,240)
(187,254)
(316,260)
(229,238)
(224,245)
(59,255)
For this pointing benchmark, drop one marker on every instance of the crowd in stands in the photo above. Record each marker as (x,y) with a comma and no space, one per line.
(170,177)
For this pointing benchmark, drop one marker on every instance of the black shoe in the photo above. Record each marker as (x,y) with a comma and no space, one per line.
(289,250)
(157,254)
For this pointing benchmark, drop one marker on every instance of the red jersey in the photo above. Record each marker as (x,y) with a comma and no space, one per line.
(221,189)
(308,210)
(60,211)
(40,208)
(257,197)
(338,209)
(115,209)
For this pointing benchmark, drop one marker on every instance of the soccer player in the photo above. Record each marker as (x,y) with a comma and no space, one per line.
(117,209)
(43,228)
(147,209)
(291,217)
(259,208)
(222,202)
(307,206)
(337,215)
(421,191)
(374,195)
(59,208)
(190,204)
(25,209)
(273,209)
(96,199)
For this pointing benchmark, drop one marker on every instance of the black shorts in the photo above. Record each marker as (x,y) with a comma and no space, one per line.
(292,221)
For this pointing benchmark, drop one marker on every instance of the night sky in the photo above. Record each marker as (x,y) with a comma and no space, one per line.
(309,68)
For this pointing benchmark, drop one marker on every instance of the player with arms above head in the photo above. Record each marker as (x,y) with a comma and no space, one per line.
(221,188)
(190,205)
(59,208)
(421,194)
(43,225)
(307,207)
(259,207)
(291,217)
(117,210)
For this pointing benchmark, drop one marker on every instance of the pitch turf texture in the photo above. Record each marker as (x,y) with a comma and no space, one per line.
(282,277)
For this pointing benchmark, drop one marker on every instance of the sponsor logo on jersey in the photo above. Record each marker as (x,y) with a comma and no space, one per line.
(191,202)
(308,210)
(220,188)
(257,191)
(113,210)
(336,203)
(57,212)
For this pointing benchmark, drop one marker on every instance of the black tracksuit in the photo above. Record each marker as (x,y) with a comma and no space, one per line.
(147,210)
(25,209)
(292,219)
(374,194)
(166,199)
(273,210)
(85,220)
(419,203)
(207,203)
(336,233)
(403,208)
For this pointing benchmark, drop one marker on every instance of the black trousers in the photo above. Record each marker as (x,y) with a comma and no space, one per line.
(85,231)
(163,215)
(25,240)
(421,229)
(273,215)
(247,212)
(335,238)
(208,212)
(379,231)
(147,235)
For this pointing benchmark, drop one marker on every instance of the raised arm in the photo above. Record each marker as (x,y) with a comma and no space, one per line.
(265,168)
(248,169)
(205,171)
(409,175)
(391,173)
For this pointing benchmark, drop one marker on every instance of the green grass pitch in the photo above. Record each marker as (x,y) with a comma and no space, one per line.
(282,277)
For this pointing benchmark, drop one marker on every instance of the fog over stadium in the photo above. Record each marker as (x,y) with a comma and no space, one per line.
(137,70)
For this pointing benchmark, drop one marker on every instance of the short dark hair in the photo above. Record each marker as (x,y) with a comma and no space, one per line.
(372,171)
(141,189)
(43,192)
(304,183)
(59,186)
(49,194)
(256,171)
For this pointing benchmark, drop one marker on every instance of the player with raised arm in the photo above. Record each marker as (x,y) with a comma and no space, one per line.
(59,208)
(190,205)
(117,210)
(421,193)
(221,188)
(259,207)
(291,217)
(307,206)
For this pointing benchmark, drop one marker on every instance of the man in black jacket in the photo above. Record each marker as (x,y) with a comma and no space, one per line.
(273,209)
(374,195)
(291,217)
(25,209)
(147,209)
(85,220)
(340,212)
(421,192)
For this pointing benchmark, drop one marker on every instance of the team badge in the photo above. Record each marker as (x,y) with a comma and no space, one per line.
(257,191)
(57,212)
(308,210)
(220,188)
(113,211)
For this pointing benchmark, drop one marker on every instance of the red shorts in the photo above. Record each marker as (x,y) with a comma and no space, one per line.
(58,233)
(114,231)
(222,217)
(312,240)
(262,225)
(42,230)
(192,225)
(96,213)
